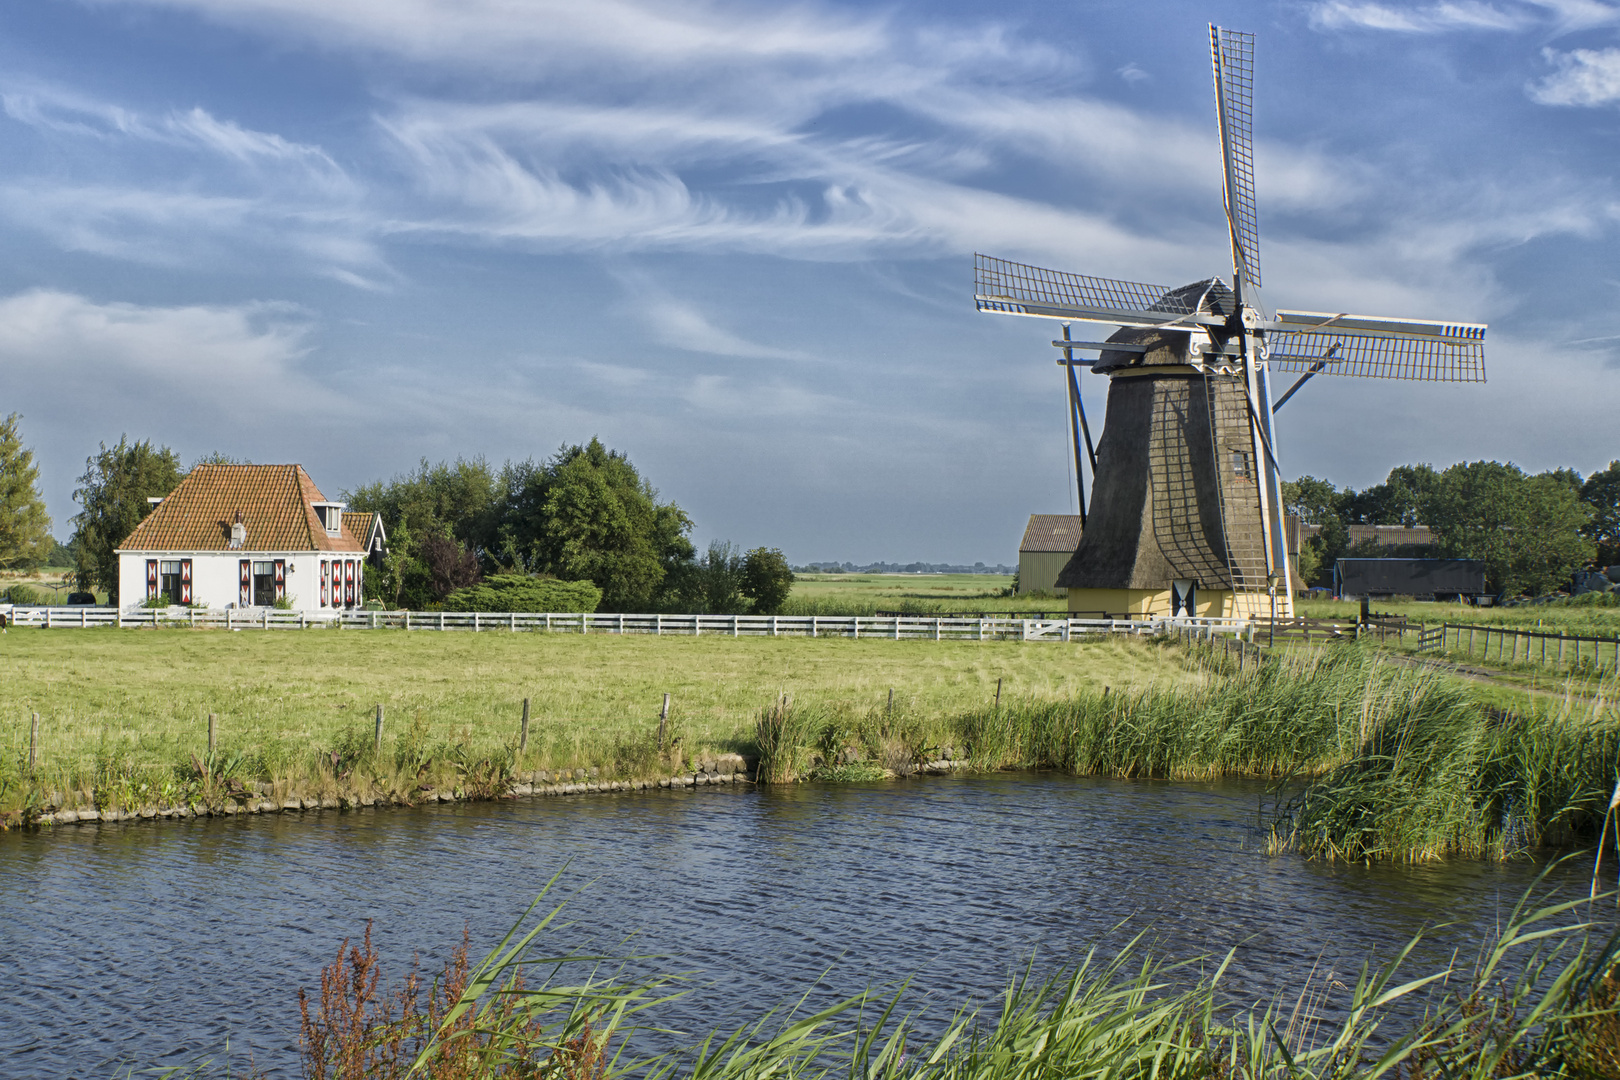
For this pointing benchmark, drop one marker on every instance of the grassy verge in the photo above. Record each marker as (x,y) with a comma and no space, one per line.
(1540,1000)
(123,713)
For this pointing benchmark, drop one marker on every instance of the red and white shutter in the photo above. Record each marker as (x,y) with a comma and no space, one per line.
(326,581)
(348,583)
(281,579)
(245,599)
(151,577)
(185,581)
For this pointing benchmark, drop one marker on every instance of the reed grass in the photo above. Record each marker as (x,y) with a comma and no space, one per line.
(1384,760)
(1539,1000)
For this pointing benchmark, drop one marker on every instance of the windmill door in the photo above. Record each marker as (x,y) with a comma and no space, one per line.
(1183,598)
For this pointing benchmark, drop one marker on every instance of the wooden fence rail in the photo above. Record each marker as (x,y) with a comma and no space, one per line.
(938,628)
(1561,650)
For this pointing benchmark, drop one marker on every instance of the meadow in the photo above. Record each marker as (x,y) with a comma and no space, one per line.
(912,594)
(116,705)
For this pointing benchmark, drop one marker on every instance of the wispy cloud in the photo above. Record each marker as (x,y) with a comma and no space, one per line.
(1416,19)
(1583,77)
(683,326)
(529,35)
(56,109)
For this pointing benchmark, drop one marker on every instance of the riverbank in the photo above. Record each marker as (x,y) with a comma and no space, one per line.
(124,715)
(1373,759)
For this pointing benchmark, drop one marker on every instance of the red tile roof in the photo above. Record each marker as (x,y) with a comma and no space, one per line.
(274,501)
(359,524)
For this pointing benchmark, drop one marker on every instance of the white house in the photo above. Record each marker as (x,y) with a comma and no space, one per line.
(249,536)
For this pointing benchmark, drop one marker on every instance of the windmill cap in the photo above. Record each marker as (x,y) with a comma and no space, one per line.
(1160,347)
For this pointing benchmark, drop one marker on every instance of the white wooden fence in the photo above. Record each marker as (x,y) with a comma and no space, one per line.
(940,628)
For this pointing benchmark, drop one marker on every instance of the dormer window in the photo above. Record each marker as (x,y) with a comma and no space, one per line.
(331,516)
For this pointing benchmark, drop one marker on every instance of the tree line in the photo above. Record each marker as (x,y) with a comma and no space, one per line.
(584,516)
(1532,531)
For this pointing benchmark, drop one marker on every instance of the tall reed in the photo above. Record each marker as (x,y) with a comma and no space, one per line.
(1299,713)
(1463,781)
(1538,1001)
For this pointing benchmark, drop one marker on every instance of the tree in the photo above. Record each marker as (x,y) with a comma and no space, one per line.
(25,527)
(588,515)
(450,566)
(1312,499)
(721,578)
(1319,503)
(460,499)
(766,579)
(1601,492)
(113,493)
(1525,529)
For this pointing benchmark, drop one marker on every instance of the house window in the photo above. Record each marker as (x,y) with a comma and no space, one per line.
(264,583)
(169,583)
(1240,464)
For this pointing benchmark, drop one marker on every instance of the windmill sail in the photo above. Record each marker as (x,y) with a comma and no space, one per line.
(1011,288)
(1424,359)
(1233,55)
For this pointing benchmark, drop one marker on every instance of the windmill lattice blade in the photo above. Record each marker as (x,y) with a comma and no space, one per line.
(1233,54)
(1424,359)
(1016,289)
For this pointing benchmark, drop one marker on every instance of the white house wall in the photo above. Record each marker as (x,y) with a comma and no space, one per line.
(216,576)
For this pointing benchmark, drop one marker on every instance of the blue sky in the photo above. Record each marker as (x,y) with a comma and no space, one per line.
(735,240)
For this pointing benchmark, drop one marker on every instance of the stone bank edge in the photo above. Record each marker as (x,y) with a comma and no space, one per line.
(725,769)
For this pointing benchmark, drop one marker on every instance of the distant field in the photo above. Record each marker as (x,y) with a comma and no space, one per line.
(129,699)
(864,594)
(1603,621)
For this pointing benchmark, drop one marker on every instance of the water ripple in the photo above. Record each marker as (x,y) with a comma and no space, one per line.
(152,944)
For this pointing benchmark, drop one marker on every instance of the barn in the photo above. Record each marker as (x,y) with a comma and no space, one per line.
(1423,579)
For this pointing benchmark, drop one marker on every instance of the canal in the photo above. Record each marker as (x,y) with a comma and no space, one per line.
(154,944)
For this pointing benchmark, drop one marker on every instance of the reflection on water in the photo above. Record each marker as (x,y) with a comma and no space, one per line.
(152,944)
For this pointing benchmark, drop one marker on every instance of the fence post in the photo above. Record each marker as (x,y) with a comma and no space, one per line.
(523,733)
(663,718)
(998,696)
(213,729)
(376,741)
(33,743)
(889,712)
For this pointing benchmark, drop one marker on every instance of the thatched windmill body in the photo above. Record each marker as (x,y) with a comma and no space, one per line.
(1186,510)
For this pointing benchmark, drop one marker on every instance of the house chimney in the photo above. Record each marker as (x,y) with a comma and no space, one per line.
(238,532)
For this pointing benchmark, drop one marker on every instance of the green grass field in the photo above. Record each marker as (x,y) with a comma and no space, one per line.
(922,594)
(121,701)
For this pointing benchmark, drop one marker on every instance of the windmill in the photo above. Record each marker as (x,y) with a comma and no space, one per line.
(1186,511)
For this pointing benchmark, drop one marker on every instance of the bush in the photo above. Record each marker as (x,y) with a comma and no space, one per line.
(517,592)
(23,596)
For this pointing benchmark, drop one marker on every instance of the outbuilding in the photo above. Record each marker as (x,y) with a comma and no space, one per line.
(1048,544)
(249,536)
(1425,579)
